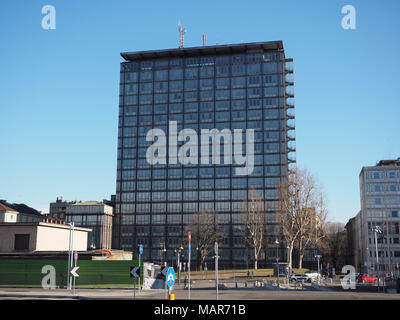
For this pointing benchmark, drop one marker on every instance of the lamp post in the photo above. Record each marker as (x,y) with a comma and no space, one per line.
(178,255)
(318,256)
(277,257)
(164,256)
(377,230)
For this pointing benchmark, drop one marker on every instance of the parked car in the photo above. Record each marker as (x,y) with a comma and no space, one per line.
(313,276)
(299,277)
(366,278)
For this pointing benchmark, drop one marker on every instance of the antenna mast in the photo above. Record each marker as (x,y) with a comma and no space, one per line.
(182,32)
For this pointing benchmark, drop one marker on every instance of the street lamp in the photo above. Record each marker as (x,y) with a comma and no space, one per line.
(318,256)
(178,254)
(277,257)
(377,230)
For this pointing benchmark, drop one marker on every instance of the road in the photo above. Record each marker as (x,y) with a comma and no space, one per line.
(196,294)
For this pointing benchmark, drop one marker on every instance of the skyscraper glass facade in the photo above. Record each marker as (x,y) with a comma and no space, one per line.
(229,87)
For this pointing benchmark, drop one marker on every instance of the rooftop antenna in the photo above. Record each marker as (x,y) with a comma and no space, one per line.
(182,32)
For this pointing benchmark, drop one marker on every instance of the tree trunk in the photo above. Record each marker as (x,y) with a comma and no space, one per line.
(290,256)
(255,258)
(301,256)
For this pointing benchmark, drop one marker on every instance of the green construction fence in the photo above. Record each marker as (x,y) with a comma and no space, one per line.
(92,273)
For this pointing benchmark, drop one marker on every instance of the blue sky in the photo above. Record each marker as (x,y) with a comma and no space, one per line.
(59,96)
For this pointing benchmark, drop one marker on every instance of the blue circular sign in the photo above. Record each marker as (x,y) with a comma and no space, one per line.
(141,249)
(170,277)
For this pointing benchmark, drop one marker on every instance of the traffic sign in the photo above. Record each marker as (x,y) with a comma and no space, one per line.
(75,272)
(135,272)
(170,277)
(164,271)
(140,249)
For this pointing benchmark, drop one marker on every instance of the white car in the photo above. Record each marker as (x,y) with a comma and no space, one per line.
(313,275)
(299,277)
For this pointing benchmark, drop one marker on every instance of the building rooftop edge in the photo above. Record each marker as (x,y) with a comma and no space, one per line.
(202,50)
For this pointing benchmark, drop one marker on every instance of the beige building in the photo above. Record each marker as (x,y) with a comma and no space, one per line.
(380,209)
(94,215)
(7,214)
(40,236)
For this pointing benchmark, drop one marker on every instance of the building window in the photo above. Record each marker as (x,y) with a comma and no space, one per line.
(21,242)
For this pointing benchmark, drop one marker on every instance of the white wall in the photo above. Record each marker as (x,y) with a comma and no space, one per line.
(43,237)
(57,239)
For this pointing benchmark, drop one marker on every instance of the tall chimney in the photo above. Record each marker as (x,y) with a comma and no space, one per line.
(204,39)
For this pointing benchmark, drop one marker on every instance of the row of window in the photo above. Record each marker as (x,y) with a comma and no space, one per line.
(395,254)
(219,195)
(382,214)
(220,172)
(382,187)
(389,201)
(203,172)
(202,84)
(266,125)
(201,61)
(234,94)
(179,73)
(171,218)
(387,227)
(142,163)
(163,119)
(379,175)
(219,105)
(259,148)
(202,184)
(266,136)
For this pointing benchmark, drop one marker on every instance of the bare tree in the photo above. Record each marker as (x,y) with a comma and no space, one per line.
(302,211)
(253,219)
(334,246)
(311,222)
(205,231)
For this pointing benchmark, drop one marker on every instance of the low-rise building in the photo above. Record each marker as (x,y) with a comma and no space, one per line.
(7,214)
(96,216)
(49,236)
(57,209)
(25,213)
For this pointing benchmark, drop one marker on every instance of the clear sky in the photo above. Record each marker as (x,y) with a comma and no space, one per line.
(59,88)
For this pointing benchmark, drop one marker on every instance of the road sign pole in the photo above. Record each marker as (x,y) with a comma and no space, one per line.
(190,249)
(216,268)
(170,281)
(166,288)
(76,259)
(69,256)
(139,273)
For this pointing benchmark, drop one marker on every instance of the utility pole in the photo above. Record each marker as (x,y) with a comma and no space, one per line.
(216,267)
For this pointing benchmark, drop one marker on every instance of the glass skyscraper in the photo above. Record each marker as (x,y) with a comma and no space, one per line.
(225,88)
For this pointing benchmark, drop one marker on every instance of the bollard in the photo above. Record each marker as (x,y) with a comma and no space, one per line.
(171,297)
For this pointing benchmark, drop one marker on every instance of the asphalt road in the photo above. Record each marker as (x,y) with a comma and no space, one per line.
(196,294)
